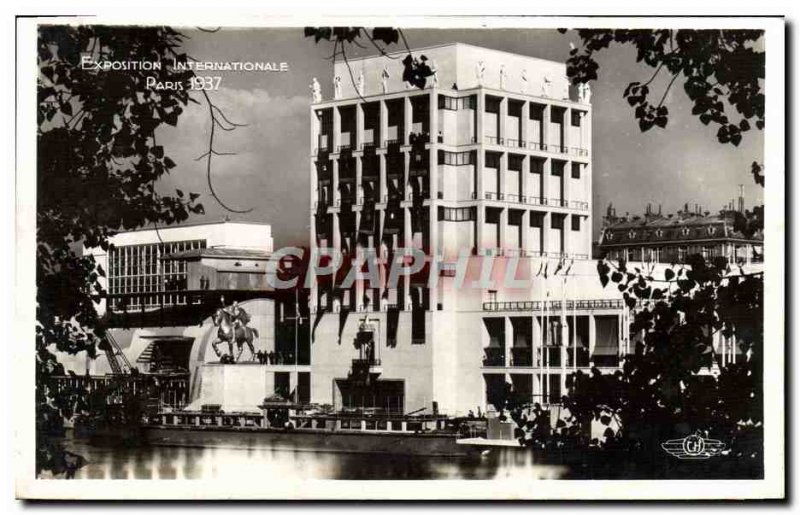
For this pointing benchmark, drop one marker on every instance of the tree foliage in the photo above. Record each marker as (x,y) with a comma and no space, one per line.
(673,384)
(98,162)
(416,70)
(716,67)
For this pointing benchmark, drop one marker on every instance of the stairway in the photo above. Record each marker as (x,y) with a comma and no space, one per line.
(147,354)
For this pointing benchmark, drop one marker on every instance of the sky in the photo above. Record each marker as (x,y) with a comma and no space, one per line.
(269,172)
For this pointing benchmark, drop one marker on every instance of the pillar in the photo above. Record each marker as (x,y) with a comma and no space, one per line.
(406,120)
(481,110)
(337,129)
(546,126)
(383,122)
(509,341)
(502,116)
(501,228)
(359,127)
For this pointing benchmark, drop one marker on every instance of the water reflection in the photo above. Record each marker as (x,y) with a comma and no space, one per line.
(149,462)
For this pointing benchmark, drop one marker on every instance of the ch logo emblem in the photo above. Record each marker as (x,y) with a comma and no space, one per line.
(693,447)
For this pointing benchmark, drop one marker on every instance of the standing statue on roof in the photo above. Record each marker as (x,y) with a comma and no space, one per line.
(316,91)
(480,72)
(360,83)
(337,87)
(384,76)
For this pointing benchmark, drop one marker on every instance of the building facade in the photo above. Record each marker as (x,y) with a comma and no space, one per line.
(657,238)
(163,287)
(491,159)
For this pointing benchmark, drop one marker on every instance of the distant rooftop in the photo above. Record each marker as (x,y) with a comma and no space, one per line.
(219,253)
(152,227)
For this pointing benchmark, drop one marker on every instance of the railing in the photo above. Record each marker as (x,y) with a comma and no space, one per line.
(553,305)
(391,142)
(373,362)
(535,145)
(494,357)
(521,357)
(346,199)
(342,148)
(371,145)
(533,200)
(514,252)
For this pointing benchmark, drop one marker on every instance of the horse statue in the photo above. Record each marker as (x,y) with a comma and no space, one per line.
(231,332)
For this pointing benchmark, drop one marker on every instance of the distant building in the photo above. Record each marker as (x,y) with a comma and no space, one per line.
(141,261)
(671,238)
(162,287)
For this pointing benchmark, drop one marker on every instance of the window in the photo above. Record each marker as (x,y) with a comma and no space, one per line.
(576,170)
(685,231)
(537,165)
(631,234)
(556,222)
(682,251)
(576,118)
(457,214)
(659,233)
(492,160)
(609,235)
(456,103)
(712,230)
(576,223)
(515,162)
(456,158)
(655,254)
(139,269)
(537,220)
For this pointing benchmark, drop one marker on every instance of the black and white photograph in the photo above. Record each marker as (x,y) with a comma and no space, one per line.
(400,258)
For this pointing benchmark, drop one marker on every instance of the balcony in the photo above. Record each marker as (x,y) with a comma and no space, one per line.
(494,357)
(373,365)
(578,205)
(535,145)
(521,357)
(554,305)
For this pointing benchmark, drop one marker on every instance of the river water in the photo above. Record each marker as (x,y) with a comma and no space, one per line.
(153,462)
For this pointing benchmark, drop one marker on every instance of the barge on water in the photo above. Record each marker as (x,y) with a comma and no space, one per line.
(284,425)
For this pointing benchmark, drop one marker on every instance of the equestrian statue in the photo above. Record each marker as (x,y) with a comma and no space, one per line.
(232,327)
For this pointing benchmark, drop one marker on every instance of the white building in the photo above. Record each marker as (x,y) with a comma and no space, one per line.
(494,162)
(163,284)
